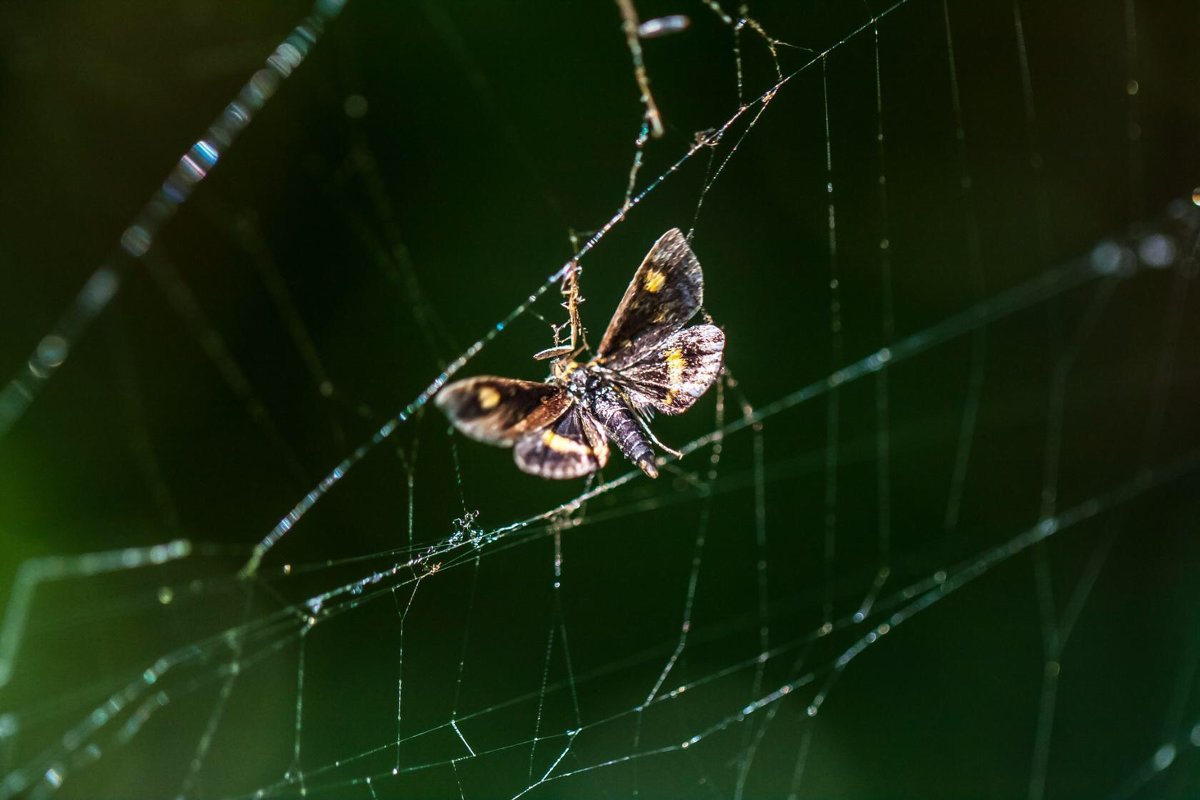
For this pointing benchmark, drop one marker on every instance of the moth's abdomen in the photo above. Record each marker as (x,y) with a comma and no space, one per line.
(623,428)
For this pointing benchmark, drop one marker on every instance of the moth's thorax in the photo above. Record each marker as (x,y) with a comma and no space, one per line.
(601,402)
(579,381)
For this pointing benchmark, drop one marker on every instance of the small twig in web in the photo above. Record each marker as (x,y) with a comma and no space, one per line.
(663,26)
(630,25)
(652,125)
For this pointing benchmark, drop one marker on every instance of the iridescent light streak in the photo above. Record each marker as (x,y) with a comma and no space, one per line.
(52,350)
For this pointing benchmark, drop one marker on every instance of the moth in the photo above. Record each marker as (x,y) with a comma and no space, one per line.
(647,362)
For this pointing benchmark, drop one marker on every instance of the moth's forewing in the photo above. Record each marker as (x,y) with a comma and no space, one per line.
(666,291)
(674,374)
(501,410)
(572,447)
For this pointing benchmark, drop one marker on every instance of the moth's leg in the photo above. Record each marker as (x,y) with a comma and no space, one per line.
(643,419)
(650,435)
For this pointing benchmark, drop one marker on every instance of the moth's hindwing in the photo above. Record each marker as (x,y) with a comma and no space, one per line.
(678,371)
(666,291)
(572,447)
(501,410)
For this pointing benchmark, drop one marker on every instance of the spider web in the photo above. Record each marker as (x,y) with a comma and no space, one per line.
(932,534)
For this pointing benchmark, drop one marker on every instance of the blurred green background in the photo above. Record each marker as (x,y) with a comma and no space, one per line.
(415,180)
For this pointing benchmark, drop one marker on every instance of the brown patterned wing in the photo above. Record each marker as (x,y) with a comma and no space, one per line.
(666,291)
(571,448)
(672,376)
(501,410)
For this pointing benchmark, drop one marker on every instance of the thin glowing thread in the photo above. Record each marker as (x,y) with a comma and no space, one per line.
(975,263)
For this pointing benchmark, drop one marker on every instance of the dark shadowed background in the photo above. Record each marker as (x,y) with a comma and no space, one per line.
(414,180)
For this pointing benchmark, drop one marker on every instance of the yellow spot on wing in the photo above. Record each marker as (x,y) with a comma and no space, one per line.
(489,398)
(561,444)
(653,281)
(676,364)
